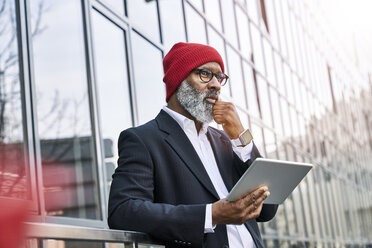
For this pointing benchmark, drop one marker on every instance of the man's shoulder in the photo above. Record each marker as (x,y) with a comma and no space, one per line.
(148,128)
(215,131)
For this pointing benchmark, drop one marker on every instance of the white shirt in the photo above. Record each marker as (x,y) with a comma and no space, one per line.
(238,235)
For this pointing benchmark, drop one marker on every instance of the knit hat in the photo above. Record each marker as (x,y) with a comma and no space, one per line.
(182,58)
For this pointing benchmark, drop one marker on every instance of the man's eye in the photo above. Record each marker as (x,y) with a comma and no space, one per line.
(220,76)
(205,73)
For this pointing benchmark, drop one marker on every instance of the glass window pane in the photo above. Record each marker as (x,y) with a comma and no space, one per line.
(144,15)
(253,10)
(63,114)
(272,20)
(277,117)
(258,138)
(257,50)
(229,21)
(172,21)
(288,83)
(270,72)
(280,75)
(212,10)
(216,41)
(264,100)
(281,28)
(195,26)
(270,144)
(148,77)
(251,90)
(244,37)
(14,178)
(281,220)
(112,85)
(197,3)
(116,5)
(285,116)
(236,78)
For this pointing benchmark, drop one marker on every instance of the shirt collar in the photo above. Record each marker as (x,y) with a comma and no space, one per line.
(184,122)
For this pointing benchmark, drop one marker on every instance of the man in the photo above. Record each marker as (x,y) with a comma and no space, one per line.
(174,171)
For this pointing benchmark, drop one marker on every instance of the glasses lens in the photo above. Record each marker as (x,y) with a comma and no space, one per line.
(205,75)
(224,79)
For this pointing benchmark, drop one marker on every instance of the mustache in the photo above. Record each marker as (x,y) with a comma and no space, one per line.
(214,93)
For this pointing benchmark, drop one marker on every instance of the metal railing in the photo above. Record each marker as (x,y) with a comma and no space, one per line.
(77,233)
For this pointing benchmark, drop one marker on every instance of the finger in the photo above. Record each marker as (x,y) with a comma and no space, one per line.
(261,189)
(249,199)
(219,119)
(255,195)
(221,105)
(254,210)
(220,111)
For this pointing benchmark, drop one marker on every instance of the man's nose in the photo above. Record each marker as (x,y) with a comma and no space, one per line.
(214,84)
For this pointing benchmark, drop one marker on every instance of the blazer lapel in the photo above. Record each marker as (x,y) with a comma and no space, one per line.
(220,148)
(179,142)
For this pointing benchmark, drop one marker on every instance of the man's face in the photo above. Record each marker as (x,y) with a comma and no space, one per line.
(198,97)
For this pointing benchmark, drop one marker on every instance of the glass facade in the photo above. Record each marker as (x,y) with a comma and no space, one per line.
(73,74)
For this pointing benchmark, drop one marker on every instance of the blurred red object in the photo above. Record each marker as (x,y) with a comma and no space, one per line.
(13,214)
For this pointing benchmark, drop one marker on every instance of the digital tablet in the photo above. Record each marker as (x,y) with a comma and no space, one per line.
(281,177)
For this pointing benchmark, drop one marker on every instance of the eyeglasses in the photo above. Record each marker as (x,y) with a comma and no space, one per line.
(206,76)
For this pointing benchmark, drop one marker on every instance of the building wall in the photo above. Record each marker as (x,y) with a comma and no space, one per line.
(73,74)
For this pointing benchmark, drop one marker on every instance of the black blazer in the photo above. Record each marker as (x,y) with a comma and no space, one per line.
(161,187)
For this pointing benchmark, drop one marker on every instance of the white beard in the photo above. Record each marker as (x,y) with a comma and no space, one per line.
(194,102)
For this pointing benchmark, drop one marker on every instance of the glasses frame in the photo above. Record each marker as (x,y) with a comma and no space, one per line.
(199,70)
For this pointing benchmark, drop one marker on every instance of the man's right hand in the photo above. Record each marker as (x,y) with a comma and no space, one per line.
(240,211)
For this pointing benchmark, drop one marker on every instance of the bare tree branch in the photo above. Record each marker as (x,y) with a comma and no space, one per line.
(38,29)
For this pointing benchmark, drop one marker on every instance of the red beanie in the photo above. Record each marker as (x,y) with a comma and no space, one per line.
(182,58)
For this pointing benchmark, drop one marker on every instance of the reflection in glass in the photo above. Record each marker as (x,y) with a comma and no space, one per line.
(52,243)
(253,10)
(281,221)
(148,76)
(173,28)
(14,179)
(195,26)
(144,14)
(112,86)
(271,16)
(257,50)
(63,119)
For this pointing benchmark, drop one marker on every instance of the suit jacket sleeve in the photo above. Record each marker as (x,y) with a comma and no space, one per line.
(131,201)
(268,210)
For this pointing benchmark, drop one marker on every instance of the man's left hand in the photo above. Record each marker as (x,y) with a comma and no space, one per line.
(225,113)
